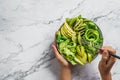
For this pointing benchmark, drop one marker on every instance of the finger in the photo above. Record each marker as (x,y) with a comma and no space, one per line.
(105,57)
(54,43)
(113,51)
(110,49)
(106,47)
(57,54)
(55,51)
(112,61)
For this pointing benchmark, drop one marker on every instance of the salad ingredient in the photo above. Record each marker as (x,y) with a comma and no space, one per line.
(77,38)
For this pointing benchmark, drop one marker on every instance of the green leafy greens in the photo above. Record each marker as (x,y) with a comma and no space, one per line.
(77,39)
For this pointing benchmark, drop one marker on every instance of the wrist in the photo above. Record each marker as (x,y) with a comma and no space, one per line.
(106,76)
(66,73)
(66,67)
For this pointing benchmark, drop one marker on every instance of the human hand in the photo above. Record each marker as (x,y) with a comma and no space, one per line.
(66,66)
(106,62)
(60,58)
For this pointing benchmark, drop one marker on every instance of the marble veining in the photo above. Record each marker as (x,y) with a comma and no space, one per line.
(27,30)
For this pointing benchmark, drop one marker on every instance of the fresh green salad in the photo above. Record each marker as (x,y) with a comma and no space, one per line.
(77,40)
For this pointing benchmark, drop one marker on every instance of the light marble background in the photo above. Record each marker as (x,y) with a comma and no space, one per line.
(27,30)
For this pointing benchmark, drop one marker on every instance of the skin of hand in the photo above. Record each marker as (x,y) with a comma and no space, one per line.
(65,66)
(107,62)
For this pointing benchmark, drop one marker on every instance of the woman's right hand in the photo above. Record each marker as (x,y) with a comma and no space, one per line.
(107,62)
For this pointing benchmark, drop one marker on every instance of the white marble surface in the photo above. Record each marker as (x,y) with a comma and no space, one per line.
(27,30)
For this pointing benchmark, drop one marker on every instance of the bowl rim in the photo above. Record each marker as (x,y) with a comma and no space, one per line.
(101,34)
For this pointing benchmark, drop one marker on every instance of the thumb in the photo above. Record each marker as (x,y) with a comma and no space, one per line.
(105,57)
(55,51)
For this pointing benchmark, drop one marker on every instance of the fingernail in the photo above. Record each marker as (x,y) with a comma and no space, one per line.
(52,45)
(104,53)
